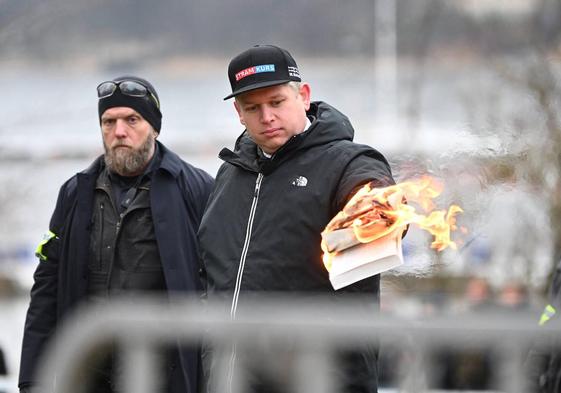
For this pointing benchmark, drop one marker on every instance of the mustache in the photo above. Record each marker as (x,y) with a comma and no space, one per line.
(118,144)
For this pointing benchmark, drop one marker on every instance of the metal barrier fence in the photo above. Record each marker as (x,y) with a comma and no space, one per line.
(312,329)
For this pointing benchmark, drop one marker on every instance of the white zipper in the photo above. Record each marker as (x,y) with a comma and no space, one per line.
(245,246)
(243,256)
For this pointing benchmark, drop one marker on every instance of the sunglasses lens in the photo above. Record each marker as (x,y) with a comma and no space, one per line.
(133,89)
(106,89)
(128,88)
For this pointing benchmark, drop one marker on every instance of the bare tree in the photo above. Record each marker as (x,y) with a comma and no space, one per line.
(539,75)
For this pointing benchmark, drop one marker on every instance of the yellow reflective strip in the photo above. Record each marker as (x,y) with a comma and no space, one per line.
(39,250)
(548,312)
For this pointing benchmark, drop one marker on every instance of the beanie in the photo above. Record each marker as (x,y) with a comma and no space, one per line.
(146,106)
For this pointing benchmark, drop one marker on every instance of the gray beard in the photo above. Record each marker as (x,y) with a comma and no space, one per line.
(127,162)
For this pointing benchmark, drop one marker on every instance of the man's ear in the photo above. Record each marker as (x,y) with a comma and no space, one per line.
(238,109)
(305,94)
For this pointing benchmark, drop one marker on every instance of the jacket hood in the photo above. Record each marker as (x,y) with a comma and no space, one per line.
(327,125)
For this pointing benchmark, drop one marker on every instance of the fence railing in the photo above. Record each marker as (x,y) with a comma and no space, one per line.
(312,331)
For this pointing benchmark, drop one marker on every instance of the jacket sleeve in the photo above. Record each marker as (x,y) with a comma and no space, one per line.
(42,312)
(367,167)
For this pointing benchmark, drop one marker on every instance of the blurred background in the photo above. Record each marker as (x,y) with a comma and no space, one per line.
(466,91)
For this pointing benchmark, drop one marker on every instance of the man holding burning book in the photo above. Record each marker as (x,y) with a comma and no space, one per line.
(294,167)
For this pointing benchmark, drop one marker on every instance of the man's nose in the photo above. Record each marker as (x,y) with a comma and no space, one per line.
(121,128)
(267,114)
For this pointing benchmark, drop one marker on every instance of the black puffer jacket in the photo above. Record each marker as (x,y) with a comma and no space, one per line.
(261,230)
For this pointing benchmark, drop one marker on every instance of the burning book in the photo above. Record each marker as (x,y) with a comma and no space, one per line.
(364,238)
(361,260)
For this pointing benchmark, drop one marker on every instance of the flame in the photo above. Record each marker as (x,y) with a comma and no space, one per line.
(375,212)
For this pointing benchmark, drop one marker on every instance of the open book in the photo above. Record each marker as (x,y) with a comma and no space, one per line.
(366,259)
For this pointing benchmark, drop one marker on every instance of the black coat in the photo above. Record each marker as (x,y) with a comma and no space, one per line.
(269,215)
(178,196)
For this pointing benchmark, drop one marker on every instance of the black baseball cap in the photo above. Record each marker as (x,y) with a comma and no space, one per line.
(261,66)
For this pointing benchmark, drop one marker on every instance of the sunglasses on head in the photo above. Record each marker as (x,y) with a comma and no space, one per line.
(127,87)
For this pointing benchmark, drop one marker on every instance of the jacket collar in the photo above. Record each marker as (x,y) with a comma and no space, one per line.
(170,161)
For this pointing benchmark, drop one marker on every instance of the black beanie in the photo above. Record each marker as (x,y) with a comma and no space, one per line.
(143,105)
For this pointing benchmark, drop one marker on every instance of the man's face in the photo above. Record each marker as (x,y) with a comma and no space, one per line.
(128,140)
(272,115)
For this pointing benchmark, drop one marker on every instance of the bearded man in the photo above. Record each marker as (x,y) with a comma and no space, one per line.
(125,225)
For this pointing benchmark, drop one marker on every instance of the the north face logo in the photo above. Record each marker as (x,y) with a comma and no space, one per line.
(300,181)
